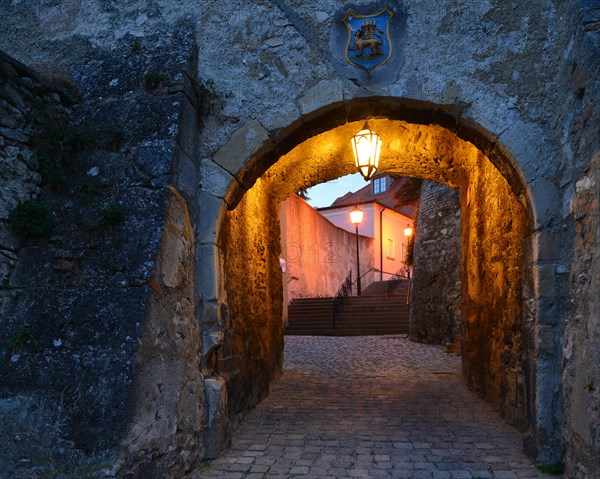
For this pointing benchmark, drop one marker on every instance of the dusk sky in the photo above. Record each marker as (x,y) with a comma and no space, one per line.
(326,193)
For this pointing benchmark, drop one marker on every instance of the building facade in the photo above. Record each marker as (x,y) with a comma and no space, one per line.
(383,221)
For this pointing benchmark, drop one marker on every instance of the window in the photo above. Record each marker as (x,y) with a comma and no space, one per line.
(379,185)
(391,249)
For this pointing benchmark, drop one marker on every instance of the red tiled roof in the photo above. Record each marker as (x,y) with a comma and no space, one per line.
(387,199)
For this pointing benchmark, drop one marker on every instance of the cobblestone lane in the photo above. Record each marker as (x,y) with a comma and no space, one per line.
(371,407)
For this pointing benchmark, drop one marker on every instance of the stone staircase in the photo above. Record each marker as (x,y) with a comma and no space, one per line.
(395,287)
(374,312)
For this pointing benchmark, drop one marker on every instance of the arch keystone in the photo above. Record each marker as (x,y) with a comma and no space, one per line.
(324,93)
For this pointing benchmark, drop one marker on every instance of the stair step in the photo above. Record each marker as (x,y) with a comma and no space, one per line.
(367,314)
(346,333)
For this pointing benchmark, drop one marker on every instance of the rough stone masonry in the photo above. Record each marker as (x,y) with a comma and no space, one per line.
(132,340)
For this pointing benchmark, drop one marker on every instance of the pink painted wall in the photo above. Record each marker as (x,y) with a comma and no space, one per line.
(318,255)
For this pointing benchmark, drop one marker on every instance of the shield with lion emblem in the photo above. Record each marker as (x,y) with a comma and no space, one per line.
(369,44)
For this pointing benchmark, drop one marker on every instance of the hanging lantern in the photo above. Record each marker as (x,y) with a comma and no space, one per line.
(366,146)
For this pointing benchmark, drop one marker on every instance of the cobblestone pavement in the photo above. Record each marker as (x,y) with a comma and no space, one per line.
(371,407)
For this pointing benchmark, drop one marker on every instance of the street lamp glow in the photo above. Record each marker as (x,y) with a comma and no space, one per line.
(408,231)
(356,216)
(366,146)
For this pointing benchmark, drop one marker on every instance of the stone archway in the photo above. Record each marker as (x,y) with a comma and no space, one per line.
(242,321)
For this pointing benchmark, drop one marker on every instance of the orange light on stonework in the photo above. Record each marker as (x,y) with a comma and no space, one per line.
(366,146)
(356,216)
(408,231)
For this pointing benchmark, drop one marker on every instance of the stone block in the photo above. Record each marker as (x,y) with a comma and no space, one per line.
(214,179)
(14,135)
(567,203)
(185,176)
(548,349)
(210,209)
(546,279)
(413,88)
(277,117)
(216,402)
(526,143)
(546,202)
(210,316)
(322,94)
(547,245)
(211,343)
(234,194)
(206,266)
(174,251)
(187,138)
(10,93)
(242,145)
(11,117)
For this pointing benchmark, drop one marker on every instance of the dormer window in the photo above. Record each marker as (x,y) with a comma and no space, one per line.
(379,185)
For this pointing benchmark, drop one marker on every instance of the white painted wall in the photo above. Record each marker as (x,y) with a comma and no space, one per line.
(393,229)
(341,218)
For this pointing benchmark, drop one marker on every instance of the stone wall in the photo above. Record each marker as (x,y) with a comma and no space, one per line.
(578,123)
(168,416)
(89,343)
(318,254)
(581,373)
(516,81)
(495,228)
(26,102)
(251,354)
(436,270)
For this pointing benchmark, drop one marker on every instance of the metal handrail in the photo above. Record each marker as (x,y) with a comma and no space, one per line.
(396,275)
(344,291)
(401,273)
(365,273)
(450,315)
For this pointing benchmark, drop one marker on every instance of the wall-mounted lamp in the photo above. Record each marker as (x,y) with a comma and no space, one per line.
(366,146)
(408,231)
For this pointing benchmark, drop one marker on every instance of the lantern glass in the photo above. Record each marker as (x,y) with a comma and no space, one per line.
(408,231)
(356,216)
(366,146)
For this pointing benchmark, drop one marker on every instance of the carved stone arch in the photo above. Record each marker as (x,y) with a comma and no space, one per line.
(238,248)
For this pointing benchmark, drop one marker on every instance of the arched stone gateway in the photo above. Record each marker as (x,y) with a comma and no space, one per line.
(502,353)
(156,335)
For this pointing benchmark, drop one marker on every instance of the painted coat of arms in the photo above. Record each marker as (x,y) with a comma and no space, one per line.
(369,44)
